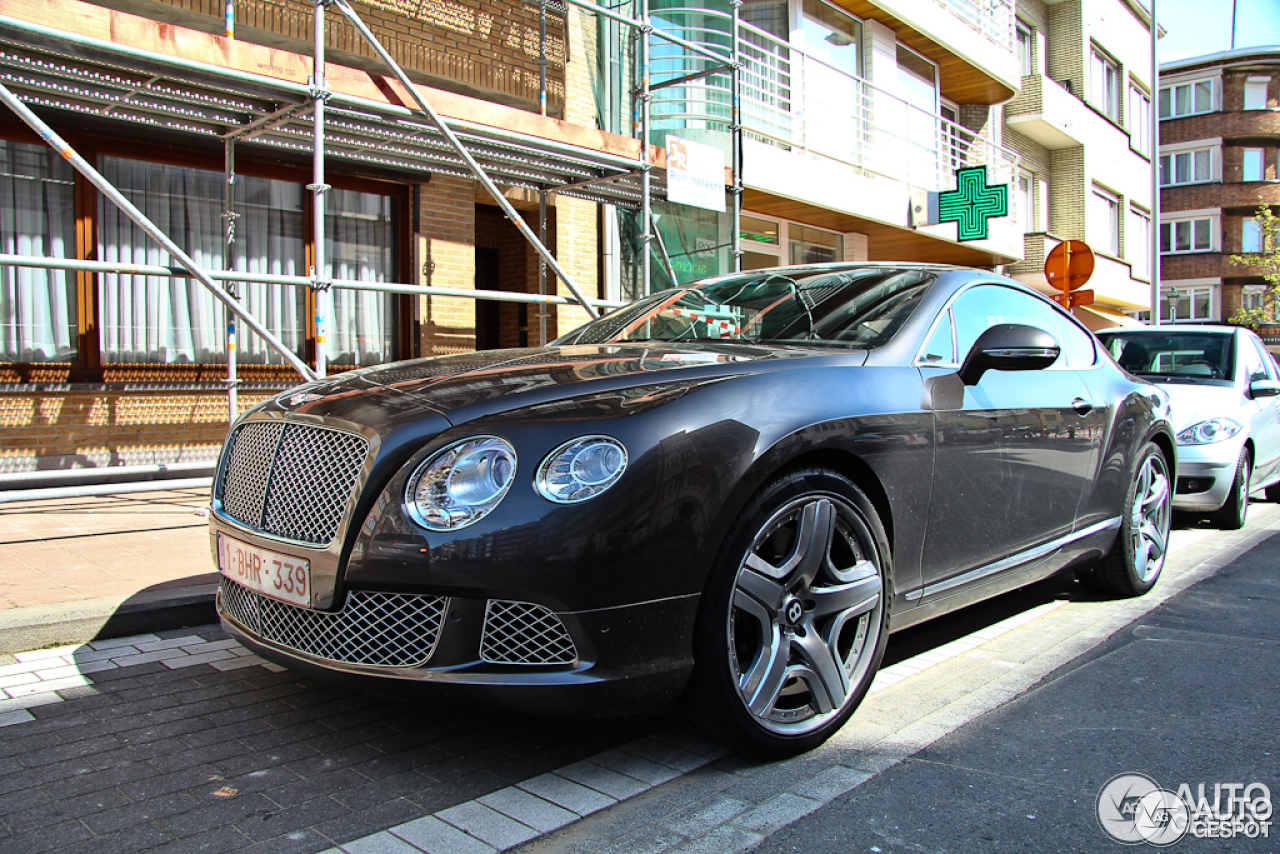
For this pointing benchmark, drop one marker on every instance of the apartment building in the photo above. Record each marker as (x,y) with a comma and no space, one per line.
(1081,126)
(846,113)
(1219,141)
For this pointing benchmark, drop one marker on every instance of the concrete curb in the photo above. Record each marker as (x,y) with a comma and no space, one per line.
(68,623)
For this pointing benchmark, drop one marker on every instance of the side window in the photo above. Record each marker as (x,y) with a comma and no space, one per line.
(1254,367)
(940,349)
(984,306)
(1268,361)
(1077,344)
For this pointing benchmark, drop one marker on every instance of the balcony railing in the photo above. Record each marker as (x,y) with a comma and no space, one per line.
(797,102)
(992,18)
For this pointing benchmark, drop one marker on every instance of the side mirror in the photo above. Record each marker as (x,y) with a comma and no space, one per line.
(1009,347)
(1263,388)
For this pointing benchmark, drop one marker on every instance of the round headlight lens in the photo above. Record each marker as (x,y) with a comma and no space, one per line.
(462,483)
(1208,432)
(581,469)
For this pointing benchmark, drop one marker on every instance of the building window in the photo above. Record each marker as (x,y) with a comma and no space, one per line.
(1104,221)
(1255,93)
(38,320)
(1026,201)
(105,319)
(1104,84)
(1186,99)
(811,245)
(1138,241)
(1194,305)
(1187,235)
(1252,165)
(1254,297)
(1139,120)
(831,35)
(1250,236)
(1026,39)
(1186,167)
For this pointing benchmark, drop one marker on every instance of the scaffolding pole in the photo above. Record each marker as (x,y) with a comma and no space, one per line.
(460,149)
(646,177)
(107,189)
(229,217)
(319,269)
(735,129)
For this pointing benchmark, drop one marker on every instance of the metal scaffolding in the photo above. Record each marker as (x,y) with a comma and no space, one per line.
(56,69)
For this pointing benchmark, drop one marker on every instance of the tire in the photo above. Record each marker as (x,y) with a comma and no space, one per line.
(793,622)
(1133,565)
(1231,516)
(1273,493)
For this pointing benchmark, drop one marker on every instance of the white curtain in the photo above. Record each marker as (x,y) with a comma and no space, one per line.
(37,217)
(360,244)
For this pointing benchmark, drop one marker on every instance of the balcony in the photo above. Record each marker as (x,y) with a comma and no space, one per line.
(1048,114)
(795,103)
(971,40)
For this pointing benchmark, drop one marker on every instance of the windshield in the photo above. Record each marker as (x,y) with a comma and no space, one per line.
(1189,355)
(851,308)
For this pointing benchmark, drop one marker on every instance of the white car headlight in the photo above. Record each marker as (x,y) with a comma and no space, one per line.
(1208,432)
(460,484)
(581,469)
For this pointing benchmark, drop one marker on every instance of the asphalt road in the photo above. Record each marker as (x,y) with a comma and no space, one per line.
(1188,694)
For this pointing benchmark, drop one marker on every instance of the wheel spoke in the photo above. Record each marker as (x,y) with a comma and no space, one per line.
(830,684)
(857,598)
(1156,493)
(813,539)
(762,684)
(1154,538)
(765,590)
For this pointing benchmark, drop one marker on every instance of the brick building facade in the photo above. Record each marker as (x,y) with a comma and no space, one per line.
(1219,146)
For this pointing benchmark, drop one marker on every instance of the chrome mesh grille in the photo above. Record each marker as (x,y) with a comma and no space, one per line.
(524,633)
(290,480)
(385,629)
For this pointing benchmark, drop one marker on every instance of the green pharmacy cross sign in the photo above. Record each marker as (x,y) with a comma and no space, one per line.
(973,203)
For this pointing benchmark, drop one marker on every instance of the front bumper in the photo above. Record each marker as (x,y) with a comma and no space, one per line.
(524,656)
(1205,475)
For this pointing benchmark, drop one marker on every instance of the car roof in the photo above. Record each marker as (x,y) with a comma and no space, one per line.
(1166,328)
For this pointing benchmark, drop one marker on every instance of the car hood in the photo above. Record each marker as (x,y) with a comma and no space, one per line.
(1190,404)
(465,387)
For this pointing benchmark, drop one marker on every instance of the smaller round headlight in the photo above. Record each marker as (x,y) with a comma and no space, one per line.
(1208,432)
(460,484)
(581,469)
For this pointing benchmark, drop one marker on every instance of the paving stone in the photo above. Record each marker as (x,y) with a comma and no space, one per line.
(722,840)
(434,836)
(699,819)
(602,779)
(529,809)
(567,794)
(380,843)
(776,813)
(17,716)
(488,825)
(831,783)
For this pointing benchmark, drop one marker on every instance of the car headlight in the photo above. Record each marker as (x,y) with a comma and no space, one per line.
(1208,432)
(460,484)
(581,469)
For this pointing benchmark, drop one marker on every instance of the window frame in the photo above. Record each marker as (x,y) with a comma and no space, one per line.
(1024,47)
(1104,93)
(1168,98)
(1251,85)
(1142,228)
(1172,222)
(1171,171)
(1261,156)
(88,366)
(1139,120)
(1113,202)
(1190,292)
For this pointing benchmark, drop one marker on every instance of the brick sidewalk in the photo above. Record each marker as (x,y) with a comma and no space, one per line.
(115,546)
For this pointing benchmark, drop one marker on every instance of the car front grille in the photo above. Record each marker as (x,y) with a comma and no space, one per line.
(524,633)
(290,480)
(382,629)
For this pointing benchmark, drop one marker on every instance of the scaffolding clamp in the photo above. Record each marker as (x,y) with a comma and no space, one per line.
(319,188)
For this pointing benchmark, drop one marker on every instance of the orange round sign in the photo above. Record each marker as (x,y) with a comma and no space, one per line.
(1069,265)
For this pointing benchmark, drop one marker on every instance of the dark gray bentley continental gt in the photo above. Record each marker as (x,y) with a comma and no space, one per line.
(724,495)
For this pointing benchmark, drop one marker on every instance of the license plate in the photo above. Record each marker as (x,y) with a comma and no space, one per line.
(279,576)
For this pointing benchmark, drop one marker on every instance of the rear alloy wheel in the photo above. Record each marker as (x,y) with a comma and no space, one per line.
(793,625)
(1133,565)
(1231,516)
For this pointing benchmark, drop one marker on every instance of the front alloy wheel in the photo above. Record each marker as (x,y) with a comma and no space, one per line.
(802,605)
(1134,562)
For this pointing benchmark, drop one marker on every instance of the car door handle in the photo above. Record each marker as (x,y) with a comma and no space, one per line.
(1081,406)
